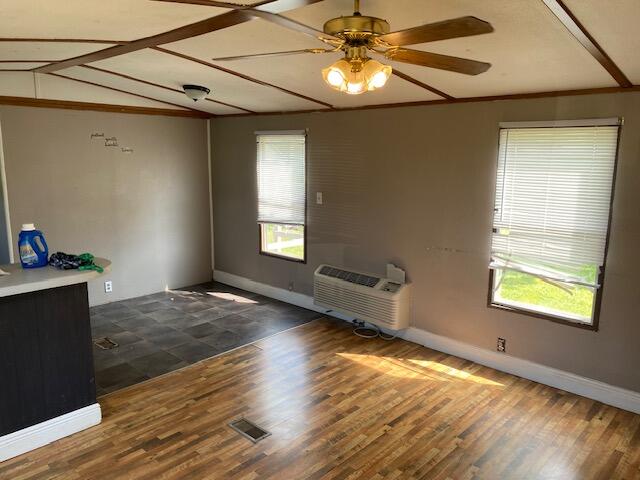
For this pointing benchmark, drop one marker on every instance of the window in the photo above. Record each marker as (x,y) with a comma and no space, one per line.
(551,218)
(282,194)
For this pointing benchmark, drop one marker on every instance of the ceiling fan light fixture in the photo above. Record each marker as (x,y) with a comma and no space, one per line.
(195,92)
(356,78)
(337,74)
(376,74)
(356,88)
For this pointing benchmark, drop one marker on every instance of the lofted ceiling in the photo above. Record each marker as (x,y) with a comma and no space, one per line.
(138,53)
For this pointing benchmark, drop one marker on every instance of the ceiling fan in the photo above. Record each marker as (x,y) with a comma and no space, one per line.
(357,35)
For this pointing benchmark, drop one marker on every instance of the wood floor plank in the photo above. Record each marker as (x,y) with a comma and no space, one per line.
(342,407)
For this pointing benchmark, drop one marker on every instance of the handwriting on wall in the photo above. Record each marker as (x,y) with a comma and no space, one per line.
(111,142)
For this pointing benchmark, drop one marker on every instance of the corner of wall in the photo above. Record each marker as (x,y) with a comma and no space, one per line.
(209,149)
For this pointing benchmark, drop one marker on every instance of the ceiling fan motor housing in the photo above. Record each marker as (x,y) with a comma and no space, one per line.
(356,28)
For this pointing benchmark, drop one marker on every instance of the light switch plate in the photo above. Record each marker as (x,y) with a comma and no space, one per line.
(319,198)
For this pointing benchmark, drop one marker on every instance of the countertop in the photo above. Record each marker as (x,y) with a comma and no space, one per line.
(22,280)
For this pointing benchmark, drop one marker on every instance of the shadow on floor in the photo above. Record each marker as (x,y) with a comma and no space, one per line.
(159,333)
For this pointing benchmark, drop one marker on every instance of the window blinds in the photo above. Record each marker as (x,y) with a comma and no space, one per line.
(281,178)
(553,196)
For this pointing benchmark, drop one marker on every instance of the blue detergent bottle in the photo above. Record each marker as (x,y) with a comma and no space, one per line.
(33,249)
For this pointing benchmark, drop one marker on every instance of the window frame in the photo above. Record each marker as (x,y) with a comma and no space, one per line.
(595,319)
(303,260)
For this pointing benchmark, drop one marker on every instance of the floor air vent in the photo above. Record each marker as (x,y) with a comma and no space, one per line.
(249,430)
(105,343)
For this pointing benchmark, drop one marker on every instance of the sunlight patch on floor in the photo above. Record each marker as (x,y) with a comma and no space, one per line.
(231,297)
(414,368)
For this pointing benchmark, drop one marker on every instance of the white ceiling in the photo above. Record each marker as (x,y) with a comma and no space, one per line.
(98,19)
(5,65)
(615,26)
(176,98)
(299,73)
(49,87)
(47,50)
(255,36)
(174,72)
(530,51)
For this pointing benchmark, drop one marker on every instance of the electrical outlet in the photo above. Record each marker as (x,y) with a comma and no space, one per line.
(502,345)
(108,286)
(319,198)
(291,286)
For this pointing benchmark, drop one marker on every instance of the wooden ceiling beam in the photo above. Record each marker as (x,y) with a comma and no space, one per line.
(423,103)
(228,19)
(288,23)
(273,6)
(106,107)
(126,92)
(218,22)
(209,3)
(214,3)
(164,87)
(99,107)
(578,30)
(408,78)
(268,10)
(241,75)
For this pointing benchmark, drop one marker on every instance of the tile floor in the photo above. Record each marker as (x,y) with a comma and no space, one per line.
(165,331)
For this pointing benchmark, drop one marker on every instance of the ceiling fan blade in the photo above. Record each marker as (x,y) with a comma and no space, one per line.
(273,54)
(454,28)
(435,60)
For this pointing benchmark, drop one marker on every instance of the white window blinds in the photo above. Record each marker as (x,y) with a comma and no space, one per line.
(281,178)
(552,203)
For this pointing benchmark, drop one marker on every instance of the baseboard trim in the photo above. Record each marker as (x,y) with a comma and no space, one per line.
(36,436)
(570,382)
(294,298)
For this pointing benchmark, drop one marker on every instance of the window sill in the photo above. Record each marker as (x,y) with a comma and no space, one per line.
(283,257)
(531,313)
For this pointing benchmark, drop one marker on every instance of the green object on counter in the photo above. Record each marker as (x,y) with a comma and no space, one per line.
(88,263)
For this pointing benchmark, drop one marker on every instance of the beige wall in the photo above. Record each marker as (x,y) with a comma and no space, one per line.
(415,186)
(147,211)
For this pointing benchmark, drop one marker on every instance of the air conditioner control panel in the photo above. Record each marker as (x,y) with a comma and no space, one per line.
(391,287)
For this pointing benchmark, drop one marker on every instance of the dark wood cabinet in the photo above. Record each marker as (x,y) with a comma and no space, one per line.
(46,359)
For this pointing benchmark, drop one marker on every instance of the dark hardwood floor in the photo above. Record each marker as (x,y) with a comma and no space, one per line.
(342,407)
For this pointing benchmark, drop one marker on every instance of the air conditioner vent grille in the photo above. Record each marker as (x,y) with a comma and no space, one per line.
(350,277)
(365,297)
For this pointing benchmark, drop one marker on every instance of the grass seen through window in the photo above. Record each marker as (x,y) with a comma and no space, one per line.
(533,293)
(283,240)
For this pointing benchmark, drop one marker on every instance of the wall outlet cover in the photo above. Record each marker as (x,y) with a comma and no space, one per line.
(108,286)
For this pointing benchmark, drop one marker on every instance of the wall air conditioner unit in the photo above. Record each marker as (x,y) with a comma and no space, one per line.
(380,301)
